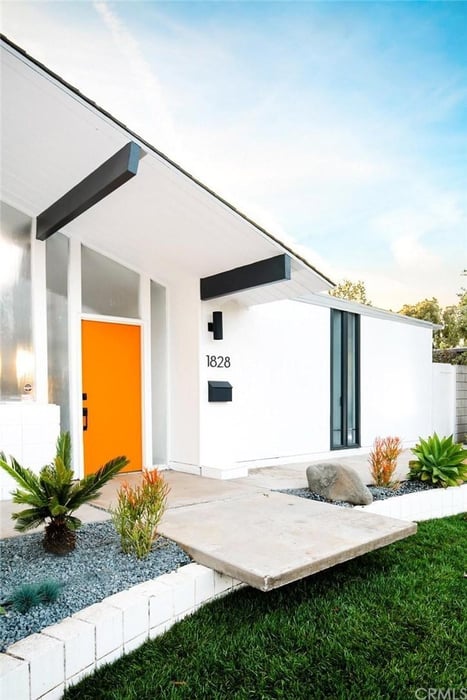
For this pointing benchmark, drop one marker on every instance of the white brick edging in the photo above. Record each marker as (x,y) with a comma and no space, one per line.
(422,505)
(44,664)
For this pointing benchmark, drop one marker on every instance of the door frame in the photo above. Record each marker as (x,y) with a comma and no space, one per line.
(75,316)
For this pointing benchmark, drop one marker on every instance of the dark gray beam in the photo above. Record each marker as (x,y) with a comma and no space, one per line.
(119,168)
(256,274)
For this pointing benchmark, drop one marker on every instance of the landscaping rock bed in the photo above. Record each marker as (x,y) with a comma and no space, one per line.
(379,493)
(96,569)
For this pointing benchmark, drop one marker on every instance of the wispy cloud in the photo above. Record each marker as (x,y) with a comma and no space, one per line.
(149,103)
(319,120)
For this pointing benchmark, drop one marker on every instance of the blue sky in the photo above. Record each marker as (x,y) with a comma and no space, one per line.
(339,126)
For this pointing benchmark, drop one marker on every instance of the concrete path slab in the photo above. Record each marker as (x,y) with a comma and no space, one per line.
(270,539)
(293,475)
(185,489)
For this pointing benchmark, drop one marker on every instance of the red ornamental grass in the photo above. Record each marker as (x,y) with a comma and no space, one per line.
(383,460)
(138,512)
(153,477)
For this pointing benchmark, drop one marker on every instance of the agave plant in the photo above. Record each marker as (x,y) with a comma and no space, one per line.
(440,461)
(53,495)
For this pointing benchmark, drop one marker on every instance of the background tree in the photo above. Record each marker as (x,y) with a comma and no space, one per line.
(352,291)
(449,336)
(425,310)
(462,317)
(453,319)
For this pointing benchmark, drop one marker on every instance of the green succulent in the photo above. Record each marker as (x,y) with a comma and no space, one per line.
(440,461)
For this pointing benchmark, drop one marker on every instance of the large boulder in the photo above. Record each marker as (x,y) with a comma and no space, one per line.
(338,483)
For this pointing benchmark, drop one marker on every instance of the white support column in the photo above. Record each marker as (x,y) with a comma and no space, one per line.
(74,349)
(39,316)
(145,312)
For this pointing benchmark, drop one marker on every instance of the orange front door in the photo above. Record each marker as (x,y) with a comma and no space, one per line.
(111,355)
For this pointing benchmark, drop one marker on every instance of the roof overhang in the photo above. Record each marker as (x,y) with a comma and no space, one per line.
(53,139)
(354,307)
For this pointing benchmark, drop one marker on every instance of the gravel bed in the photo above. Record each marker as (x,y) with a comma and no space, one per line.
(96,569)
(379,493)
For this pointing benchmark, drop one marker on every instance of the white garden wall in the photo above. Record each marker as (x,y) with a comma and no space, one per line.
(28,432)
(422,505)
(444,399)
(396,381)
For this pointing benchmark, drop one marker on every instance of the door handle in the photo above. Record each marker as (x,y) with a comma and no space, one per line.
(85,419)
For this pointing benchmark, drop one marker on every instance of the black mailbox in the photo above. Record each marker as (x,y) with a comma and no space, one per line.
(219,391)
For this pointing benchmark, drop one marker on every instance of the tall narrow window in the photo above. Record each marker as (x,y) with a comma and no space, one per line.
(57,324)
(16,351)
(345,379)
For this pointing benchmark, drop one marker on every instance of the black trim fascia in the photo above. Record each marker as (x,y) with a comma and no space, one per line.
(117,170)
(162,155)
(257,274)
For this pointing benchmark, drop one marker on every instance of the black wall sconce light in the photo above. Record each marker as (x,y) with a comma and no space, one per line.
(215,326)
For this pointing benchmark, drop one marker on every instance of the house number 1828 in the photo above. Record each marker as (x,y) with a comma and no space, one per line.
(218,361)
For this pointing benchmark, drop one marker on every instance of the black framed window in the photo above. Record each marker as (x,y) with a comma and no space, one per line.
(345,379)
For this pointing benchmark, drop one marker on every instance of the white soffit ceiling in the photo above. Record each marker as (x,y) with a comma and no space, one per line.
(52,138)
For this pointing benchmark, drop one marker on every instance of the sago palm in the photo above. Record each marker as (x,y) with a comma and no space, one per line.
(53,495)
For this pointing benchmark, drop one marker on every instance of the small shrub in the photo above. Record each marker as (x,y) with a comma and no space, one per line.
(49,591)
(440,461)
(28,595)
(54,494)
(25,597)
(139,511)
(383,460)
(451,356)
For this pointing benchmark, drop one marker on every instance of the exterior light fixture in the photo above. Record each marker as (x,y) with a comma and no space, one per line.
(24,373)
(215,326)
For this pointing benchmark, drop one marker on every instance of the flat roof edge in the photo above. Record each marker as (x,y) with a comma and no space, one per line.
(365,310)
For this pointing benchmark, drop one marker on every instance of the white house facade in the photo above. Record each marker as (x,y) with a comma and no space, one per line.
(150,318)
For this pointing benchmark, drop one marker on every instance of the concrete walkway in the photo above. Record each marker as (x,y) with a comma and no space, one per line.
(268,539)
(243,529)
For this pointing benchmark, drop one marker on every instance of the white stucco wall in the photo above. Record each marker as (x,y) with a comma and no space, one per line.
(444,399)
(183,384)
(396,384)
(280,372)
(280,375)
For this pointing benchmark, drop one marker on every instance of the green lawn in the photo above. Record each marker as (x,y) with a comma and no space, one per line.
(380,626)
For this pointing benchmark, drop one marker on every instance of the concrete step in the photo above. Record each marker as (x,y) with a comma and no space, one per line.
(268,539)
